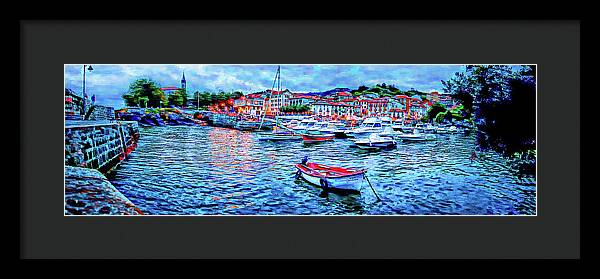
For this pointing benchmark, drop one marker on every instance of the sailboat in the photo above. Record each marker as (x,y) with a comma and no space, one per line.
(279,131)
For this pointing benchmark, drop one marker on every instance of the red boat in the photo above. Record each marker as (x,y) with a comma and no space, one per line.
(329,177)
(317,138)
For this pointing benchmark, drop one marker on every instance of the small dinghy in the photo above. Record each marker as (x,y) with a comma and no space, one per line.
(328,177)
(309,138)
(376,141)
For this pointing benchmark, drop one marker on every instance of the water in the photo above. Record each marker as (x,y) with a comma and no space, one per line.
(202,170)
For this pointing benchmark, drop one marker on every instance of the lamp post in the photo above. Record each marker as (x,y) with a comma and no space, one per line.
(84,97)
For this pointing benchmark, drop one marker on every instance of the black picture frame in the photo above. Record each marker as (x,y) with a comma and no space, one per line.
(554,233)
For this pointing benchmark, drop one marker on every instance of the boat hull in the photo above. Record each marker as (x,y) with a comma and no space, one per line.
(279,137)
(348,183)
(374,145)
(317,138)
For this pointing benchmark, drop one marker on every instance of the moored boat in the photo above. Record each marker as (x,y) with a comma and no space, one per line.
(304,125)
(278,136)
(376,141)
(329,177)
(415,136)
(370,125)
(340,133)
(388,132)
(317,137)
(245,125)
(386,121)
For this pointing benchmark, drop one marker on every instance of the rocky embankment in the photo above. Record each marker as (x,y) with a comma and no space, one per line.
(88,192)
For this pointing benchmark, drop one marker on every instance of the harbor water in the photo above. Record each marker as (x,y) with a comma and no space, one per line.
(203,170)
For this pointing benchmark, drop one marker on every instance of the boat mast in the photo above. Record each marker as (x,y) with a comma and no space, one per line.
(262,120)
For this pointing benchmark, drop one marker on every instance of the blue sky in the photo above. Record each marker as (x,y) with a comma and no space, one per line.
(108,82)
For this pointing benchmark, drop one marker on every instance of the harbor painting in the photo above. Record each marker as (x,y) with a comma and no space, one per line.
(300,139)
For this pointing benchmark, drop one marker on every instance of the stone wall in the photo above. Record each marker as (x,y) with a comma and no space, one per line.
(103,113)
(99,144)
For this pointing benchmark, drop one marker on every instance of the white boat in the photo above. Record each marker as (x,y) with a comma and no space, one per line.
(399,125)
(386,121)
(279,134)
(367,127)
(376,141)
(330,177)
(429,128)
(291,123)
(304,125)
(328,128)
(415,136)
(424,128)
(318,127)
(388,132)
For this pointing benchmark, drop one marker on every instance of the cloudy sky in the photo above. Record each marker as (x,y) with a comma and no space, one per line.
(108,82)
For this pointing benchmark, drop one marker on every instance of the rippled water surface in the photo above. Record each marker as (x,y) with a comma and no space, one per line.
(202,170)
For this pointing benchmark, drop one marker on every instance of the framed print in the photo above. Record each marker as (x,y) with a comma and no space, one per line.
(323,139)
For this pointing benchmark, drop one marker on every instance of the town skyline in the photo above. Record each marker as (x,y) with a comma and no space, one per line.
(109,82)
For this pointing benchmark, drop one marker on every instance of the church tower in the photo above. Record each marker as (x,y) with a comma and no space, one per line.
(183,83)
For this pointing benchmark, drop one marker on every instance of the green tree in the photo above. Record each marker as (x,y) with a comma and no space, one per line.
(146,89)
(434,110)
(177,98)
(143,100)
(502,103)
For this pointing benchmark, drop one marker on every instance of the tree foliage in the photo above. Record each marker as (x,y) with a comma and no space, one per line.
(502,102)
(384,90)
(178,98)
(206,98)
(145,92)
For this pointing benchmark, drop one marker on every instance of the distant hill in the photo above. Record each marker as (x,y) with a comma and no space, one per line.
(385,90)
(328,92)
(381,90)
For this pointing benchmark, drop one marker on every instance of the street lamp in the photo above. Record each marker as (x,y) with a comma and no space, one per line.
(84,95)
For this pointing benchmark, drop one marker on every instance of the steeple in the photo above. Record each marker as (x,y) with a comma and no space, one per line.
(183,82)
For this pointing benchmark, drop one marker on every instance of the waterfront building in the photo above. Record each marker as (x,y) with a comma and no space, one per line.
(338,96)
(447,101)
(332,109)
(377,107)
(434,96)
(356,105)
(73,105)
(442,98)
(396,107)
(299,99)
(277,100)
(251,104)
